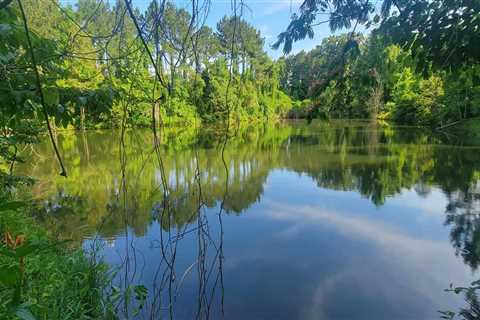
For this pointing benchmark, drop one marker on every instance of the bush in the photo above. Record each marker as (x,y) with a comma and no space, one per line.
(416,100)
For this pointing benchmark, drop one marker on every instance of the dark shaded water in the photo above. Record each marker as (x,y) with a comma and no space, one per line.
(345,220)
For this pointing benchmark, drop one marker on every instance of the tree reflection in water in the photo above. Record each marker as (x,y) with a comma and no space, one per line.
(186,177)
(463,215)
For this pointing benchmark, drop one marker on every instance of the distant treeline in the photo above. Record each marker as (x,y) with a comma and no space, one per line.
(379,79)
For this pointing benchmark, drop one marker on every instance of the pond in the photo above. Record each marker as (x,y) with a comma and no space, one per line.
(338,220)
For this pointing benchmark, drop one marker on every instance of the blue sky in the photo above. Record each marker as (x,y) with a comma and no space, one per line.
(269,16)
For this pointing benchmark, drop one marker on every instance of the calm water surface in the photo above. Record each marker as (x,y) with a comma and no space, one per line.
(346,220)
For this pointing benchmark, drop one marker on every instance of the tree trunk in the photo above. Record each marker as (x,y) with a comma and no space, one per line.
(82,117)
(172,75)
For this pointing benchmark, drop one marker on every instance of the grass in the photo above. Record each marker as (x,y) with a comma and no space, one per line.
(43,279)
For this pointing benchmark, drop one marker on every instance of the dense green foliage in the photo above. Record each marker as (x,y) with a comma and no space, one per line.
(420,64)
(94,74)
(379,80)
(41,278)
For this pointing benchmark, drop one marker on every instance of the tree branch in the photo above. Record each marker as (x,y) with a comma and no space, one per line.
(39,88)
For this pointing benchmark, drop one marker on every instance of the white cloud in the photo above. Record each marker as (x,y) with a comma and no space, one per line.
(434,204)
(426,265)
(410,248)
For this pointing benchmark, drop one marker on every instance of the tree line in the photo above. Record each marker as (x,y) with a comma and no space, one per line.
(418,62)
(95,69)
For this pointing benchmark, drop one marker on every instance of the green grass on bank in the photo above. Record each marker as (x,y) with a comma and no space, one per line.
(43,279)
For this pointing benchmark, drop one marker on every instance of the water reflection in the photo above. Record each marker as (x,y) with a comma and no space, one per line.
(334,221)
(463,215)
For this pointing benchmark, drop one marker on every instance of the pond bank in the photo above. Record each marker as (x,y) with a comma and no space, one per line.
(41,278)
